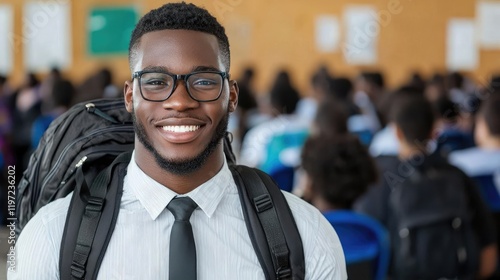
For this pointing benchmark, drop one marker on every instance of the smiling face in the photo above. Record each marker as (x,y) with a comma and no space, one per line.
(179,135)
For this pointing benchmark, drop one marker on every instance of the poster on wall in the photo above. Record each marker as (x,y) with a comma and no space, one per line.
(109,30)
(327,33)
(461,45)
(6,32)
(488,21)
(361,34)
(47,35)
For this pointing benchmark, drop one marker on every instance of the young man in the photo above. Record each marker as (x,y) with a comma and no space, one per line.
(426,182)
(178,153)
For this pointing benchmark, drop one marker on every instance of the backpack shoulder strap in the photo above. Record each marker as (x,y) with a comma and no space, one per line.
(86,235)
(268,217)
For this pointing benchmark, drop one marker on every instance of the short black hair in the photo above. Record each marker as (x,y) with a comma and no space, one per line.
(446,109)
(283,96)
(414,115)
(63,92)
(489,110)
(374,78)
(180,16)
(340,167)
(331,118)
(341,88)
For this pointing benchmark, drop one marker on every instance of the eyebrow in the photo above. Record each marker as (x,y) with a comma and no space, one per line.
(194,69)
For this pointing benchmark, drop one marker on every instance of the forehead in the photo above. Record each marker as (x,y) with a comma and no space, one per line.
(179,51)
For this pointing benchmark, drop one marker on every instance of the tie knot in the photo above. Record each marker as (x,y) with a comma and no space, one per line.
(182,208)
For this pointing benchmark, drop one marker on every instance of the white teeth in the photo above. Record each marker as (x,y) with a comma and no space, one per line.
(181,128)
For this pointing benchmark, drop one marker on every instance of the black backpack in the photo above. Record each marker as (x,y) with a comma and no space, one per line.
(434,236)
(87,149)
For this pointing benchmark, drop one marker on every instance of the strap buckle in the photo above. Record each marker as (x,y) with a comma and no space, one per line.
(284,273)
(95,204)
(77,270)
(263,203)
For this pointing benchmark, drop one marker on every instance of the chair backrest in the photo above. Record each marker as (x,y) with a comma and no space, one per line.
(489,190)
(285,141)
(363,239)
(284,177)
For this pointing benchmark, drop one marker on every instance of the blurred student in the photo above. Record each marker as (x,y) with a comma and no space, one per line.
(338,170)
(283,99)
(370,88)
(26,108)
(485,158)
(61,96)
(430,206)
(450,135)
(318,90)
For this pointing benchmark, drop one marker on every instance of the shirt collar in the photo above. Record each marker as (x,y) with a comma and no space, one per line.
(155,197)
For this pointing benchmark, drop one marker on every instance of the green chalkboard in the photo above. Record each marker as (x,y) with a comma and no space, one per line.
(109,30)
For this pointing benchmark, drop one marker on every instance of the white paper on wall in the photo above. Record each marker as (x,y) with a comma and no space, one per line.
(488,21)
(47,35)
(461,45)
(361,34)
(6,39)
(327,33)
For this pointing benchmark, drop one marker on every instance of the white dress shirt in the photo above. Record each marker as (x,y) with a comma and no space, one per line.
(139,246)
(477,161)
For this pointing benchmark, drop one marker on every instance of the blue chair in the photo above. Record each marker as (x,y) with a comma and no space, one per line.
(364,240)
(283,156)
(489,191)
(284,177)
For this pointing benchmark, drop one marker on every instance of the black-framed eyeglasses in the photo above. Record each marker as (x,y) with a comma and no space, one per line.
(202,86)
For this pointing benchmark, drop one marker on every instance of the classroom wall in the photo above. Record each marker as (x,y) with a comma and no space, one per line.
(272,34)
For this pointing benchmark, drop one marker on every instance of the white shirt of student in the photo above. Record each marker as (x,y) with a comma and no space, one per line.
(139,246)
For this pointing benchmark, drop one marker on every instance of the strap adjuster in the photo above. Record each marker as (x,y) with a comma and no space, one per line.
(284,273)
(263,203)
(77,270)
(95,204)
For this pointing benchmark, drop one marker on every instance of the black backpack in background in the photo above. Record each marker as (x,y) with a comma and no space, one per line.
(86,151)
(434,236)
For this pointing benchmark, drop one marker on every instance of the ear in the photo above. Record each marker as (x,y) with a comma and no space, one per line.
(234,91)
(128,90)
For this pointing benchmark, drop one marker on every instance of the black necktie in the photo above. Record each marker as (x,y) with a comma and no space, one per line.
(182,256)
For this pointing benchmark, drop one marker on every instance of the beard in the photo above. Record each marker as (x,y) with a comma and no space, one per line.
(182,166)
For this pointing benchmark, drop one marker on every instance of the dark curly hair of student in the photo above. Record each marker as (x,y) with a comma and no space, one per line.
(180,16)
(340,168)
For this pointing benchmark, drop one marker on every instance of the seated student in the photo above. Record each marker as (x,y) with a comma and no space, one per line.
(337,171)
(423,186)
(485,158)
(62,92)
(318,90)
(369,87)
(451,136)
(283,101)
(385,142)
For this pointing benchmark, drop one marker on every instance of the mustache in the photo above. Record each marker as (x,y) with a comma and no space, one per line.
(172,115)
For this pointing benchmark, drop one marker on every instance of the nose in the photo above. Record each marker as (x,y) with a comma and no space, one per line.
(180,100)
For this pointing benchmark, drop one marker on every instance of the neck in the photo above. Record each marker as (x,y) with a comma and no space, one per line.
(321,204)
(407,152)
(490,142)
(180,183)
